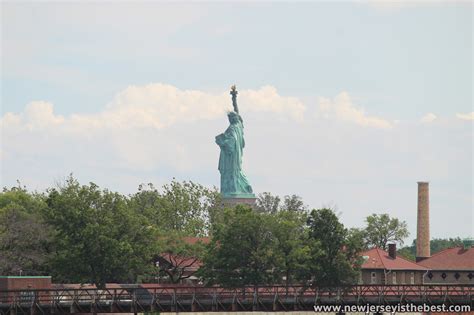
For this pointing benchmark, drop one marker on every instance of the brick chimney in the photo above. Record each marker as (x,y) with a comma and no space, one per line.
(392,250)
(423,222)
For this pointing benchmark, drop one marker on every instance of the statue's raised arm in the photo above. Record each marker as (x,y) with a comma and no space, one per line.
(233,92)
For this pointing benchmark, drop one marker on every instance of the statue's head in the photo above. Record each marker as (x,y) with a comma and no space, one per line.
(233,117)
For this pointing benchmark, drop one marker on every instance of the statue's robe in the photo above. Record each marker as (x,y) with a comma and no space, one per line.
(231,142)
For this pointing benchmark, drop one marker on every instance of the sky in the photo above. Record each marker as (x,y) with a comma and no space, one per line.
(346,104)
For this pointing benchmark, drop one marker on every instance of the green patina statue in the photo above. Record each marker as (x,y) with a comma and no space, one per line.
(234,184)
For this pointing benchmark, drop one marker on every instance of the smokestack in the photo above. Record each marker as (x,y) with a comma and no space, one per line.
(392,250)
(423,222)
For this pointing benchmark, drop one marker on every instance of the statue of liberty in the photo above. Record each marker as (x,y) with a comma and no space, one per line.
(234,184)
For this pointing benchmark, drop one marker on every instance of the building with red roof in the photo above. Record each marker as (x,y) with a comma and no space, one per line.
(450,266)
(381,267)
(178,268)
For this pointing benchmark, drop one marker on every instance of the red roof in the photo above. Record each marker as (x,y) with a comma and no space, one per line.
(379,259)
(455,258)
(190,263)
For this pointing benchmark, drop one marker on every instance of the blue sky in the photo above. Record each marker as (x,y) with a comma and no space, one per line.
(345,103)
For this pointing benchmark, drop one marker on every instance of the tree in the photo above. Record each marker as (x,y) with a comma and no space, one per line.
(25,239)
(98,239)
(335,257)
(436,245)
(381,229)
(293,203)
(242,250)
(407,253)
(439,244)
(268,203)
(149,203)
(292,249)
(179,257)
(187,208)
(31,202)
(355,240)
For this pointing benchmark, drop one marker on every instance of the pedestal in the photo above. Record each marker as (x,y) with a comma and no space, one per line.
(233,201)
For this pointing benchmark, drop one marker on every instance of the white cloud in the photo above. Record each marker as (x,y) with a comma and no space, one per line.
(156,106)
(430,117)
(267,99)
(466,116)
(342,108)
(38,115)
(138,127)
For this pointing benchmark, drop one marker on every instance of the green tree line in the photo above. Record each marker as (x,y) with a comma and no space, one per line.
(436,245)
(84,234)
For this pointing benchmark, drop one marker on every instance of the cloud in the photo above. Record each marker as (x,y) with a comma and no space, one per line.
(138,128)
(343,109)
(466,116)
(156,106)
(37,115)
(430,117)
(267,99)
